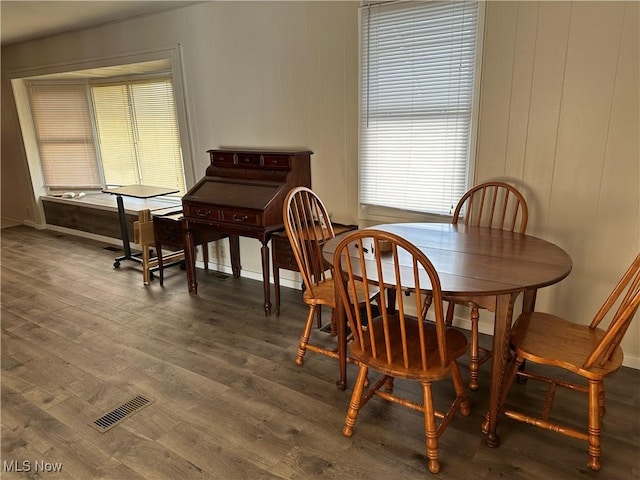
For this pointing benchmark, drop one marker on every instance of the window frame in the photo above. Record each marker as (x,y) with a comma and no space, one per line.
(373,214)
(19,77)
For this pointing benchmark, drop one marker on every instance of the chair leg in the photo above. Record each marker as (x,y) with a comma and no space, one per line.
(595,387)
(304,339)
(354,404)
(601,403)
(474,350)
(465,407)
(430,429)
(388,385)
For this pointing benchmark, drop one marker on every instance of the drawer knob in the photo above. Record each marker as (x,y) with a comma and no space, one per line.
(239,219)
(203,213)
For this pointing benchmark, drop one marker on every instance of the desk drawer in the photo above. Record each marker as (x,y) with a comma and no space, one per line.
(283,253)
(168,231)
(223,159)
(204,212)
(277,162)
(248,159)
(240,218)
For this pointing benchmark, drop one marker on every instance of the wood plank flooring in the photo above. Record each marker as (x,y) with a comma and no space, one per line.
(80,337)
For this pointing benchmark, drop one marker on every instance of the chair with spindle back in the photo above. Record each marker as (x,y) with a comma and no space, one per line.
(495,205)
(589,351)
(393,342)
(308,228)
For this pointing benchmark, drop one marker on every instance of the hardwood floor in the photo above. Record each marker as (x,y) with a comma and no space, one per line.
(80,337)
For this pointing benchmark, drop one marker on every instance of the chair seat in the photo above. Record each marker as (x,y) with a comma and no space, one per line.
(550,340)
(456,346)
(323,293)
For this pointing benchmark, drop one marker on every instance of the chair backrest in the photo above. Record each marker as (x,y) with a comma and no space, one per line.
(626,295)
(365,255)
(495,205)
(308,227)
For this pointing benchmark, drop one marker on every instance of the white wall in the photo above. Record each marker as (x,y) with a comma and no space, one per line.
(559,117)
(559,114)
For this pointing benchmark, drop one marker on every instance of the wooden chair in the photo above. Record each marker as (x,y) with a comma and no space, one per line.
(588,351)
(494,205)
(143,235)
(395,344)
(308,228)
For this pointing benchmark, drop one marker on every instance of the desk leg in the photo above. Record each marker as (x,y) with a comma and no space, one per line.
(234,247)
(265,277)
(190,261)
(276,280)
(501,335)
(160,263)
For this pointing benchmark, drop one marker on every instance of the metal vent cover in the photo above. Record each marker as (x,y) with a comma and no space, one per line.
(120,413)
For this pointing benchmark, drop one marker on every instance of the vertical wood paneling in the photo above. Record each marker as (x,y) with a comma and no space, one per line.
(544,111)
(520,97)
(592,57)
(496,85)
(616,226)
(560,103)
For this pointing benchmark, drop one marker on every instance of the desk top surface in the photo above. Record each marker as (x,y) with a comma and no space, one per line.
(140,191)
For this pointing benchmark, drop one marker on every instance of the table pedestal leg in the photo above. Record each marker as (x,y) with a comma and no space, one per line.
(501,336)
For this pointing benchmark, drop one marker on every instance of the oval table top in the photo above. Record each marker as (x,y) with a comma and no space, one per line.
(477,261)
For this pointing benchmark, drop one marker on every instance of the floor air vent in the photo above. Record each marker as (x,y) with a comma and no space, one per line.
(121,413)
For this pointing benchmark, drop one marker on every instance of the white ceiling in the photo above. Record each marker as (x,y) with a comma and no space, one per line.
(22,20)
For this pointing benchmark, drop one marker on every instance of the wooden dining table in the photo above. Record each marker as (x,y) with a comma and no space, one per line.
(489,267)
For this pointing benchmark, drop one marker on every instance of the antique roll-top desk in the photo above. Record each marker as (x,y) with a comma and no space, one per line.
(242,194)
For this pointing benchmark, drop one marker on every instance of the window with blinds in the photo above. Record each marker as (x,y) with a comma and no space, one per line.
(417,84)
(64,133)
(92,135)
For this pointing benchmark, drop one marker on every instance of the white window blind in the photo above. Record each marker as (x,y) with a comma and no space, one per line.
(138,133)
(120,133)
(417,78)
(64,132)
